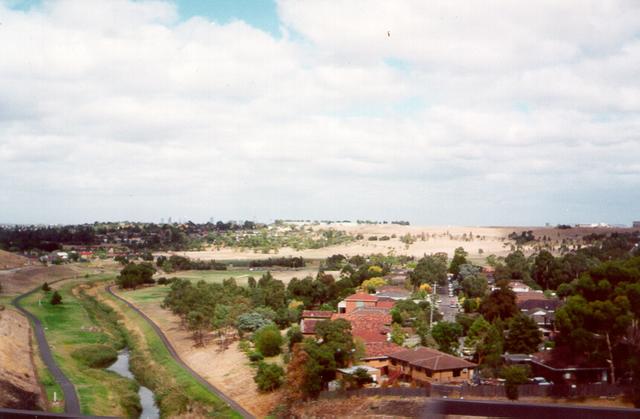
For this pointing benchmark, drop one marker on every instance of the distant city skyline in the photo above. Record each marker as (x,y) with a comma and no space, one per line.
(439,112)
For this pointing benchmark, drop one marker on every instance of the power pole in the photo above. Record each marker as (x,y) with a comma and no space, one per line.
(433,299)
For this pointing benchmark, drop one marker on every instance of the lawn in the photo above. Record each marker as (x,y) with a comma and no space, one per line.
(71,326)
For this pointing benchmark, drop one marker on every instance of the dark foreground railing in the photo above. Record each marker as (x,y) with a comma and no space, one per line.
(435,407)
(31,414)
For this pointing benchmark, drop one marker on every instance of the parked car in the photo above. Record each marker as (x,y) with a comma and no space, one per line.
(541,381)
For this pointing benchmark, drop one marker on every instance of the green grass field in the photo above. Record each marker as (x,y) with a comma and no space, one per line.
(241,275)
(173,385)
(156,294)
(71,326)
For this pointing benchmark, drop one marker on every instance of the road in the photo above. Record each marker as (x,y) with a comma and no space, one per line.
(448,312)
(235,406)
(71,401)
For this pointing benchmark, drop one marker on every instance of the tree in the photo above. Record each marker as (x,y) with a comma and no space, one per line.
(475,286)
(523,337)
(359,378)
(56,298)
(46,287)
(268,340)
(294,335)
(459,258)
(268,376)
(370,285)
(252,321)
(514,375)
(542,269)
(132,275)
(198,323)
(430,269)
(299,386)
(477,333)
(501,303)
(397,334)
(447,335)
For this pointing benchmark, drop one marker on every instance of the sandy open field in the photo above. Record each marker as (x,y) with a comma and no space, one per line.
(479,242)
(227,369)
(11,260)
(19,387)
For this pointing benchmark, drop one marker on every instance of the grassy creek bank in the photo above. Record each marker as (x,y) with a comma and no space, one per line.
(177,392)
(84,337)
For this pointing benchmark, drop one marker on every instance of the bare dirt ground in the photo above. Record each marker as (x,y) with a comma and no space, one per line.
(10,260)
(22,280)
(362,407)
(228,369)
(19,388)
(479,242)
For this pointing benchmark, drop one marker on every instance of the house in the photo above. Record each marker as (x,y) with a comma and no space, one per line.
(558,372)
(358,300)
(310,318)
(364,300)
(425,365)
(542,310)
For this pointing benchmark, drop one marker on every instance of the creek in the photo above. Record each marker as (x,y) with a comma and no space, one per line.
(121,366)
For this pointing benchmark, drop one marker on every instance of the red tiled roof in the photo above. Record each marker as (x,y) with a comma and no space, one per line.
(361,296)
(367,323)
(431,359)
(386,304)
(530,295)
(381,349)
(317,314)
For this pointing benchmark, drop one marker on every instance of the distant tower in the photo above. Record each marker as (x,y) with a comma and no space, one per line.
(169,220)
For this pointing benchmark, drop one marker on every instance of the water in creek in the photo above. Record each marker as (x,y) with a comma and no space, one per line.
(121,366)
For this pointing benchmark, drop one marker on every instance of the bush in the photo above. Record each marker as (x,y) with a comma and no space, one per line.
(46,287)
(268,340)
(56,298)
(514,375)
(95,356)
(269,377)
(255,356)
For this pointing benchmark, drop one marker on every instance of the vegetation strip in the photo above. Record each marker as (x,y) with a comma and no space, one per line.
(71,401)
(179,360)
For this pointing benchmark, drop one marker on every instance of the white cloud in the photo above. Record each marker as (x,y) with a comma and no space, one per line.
(464,114)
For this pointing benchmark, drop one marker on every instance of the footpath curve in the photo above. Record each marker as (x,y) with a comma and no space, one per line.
(71,401)
(234,405)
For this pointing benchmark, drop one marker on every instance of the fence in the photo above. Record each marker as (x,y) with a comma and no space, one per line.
(380,391)
(485,390)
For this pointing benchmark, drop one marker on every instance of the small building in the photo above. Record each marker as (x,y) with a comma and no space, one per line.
(543,365)
(425,365)
(310,318)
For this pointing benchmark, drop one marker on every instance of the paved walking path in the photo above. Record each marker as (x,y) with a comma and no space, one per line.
(71,401)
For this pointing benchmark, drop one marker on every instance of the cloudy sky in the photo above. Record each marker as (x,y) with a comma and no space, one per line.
(438,112)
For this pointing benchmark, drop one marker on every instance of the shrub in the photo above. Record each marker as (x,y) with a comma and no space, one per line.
(56,298)
(46,287)
(269,377)
(514,375)
(95,356)
(268,340)
(256,356)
